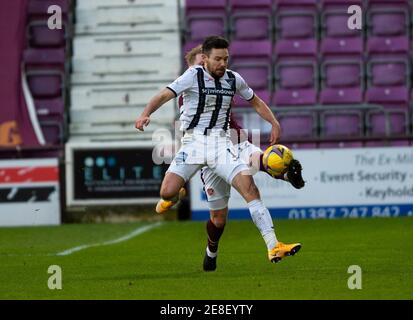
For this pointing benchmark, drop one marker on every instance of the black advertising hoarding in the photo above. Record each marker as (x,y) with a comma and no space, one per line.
(116,174)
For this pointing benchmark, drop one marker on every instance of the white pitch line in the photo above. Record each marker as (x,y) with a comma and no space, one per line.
(126,237)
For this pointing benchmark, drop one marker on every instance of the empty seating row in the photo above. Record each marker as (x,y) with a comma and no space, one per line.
(345,80)
(46,64)
(309,126)
(302,27)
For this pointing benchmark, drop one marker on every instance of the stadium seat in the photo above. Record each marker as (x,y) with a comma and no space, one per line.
(297,125)
(256,74)
(259,50)
(296,29)
(336,37)
(388,28)
(263,94)
(250,20)
(297,47)
(44,58)
(397,125)
(52,131)
(341,96)
(205,18)
(379,45)
(296,82)
(40,36)
(254,65)
(46,84)
(389,71)
(388,96)
(54,107)
(342,81)
(343,123)
(38,8)
(388,80)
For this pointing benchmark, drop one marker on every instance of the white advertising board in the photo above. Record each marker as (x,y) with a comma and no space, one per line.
(353,183)
(29,192)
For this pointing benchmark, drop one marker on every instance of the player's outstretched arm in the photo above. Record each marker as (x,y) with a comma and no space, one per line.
(265,112)
(154,104)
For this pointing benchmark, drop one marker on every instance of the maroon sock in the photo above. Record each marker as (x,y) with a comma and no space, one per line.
(214,234)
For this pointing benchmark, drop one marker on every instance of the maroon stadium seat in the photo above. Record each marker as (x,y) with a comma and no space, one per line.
(40,36)
(336,37)
(251,20)
(342,81)
(205,18)
(343,123)
(252,59)
(296,82)
(45,84)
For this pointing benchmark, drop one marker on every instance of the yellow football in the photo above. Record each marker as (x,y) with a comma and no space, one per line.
(276,159)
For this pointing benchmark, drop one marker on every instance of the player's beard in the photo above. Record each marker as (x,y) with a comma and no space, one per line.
(214,73)
(221,71)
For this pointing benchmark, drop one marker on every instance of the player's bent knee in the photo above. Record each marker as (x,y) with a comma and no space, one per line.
(168,192)
(219,217)
(165,194)
(219,222)
(171,186)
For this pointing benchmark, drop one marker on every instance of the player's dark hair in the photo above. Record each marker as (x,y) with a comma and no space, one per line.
(214,42)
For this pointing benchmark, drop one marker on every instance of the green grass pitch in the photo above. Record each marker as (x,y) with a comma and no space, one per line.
(166,262)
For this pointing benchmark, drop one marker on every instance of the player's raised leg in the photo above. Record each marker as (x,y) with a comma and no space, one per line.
(178,173)
(171,191)
(245,185)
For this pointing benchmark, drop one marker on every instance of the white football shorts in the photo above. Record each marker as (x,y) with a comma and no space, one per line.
(214,151)
(218,190)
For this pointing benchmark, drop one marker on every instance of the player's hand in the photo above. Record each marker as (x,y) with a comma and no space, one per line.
(141,122)
(275,133)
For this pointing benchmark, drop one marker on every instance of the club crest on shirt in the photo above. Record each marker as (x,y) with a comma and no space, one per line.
(230,81)
(210,191)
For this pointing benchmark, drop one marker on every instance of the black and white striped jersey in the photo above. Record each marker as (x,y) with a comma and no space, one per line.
(206,100)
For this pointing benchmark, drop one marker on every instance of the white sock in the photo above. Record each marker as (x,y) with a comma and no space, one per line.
(262,219)
(211,254)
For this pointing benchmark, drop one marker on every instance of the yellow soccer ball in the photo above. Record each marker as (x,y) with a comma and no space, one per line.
(276,159)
